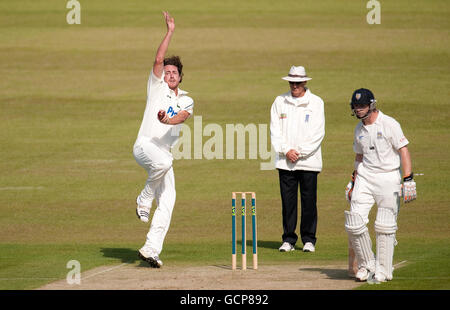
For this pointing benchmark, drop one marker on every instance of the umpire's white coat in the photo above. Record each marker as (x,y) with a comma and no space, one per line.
(299,124)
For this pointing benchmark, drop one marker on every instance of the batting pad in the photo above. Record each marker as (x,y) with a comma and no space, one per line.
(360,239)
(385,228)
(386,222)
(385,254)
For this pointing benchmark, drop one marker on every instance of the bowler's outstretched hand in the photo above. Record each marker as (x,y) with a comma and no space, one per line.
(169,22)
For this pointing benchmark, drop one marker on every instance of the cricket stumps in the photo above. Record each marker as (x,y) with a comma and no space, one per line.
(244,232)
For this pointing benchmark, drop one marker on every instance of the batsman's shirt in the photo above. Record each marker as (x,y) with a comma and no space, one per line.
(161,97)
(379,143)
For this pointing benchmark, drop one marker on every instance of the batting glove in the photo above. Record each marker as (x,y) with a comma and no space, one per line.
(409,189)
(349,188)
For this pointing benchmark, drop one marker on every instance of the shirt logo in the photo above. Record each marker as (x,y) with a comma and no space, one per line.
(283,115)
(307,118)
(379,135)
(171,112)
(360,137)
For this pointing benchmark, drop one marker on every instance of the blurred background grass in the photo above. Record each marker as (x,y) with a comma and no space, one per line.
(72,99)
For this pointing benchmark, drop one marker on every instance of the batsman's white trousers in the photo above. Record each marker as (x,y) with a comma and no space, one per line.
(160,185)
(384,189)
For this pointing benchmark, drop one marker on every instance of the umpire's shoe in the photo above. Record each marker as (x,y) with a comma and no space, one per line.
(286,247)
(309,247)
(149,255)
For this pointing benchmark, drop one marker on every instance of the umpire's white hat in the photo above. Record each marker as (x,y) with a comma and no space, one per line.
(297,74)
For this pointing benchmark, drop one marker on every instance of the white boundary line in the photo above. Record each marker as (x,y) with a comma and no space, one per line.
(100,272)
(401,263)
(83,278)
(417,278)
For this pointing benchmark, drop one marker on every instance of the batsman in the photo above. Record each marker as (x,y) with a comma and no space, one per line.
(381,155)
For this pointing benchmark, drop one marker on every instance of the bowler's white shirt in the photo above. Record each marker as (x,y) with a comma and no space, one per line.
(379,143)
(299,124)
(161,97)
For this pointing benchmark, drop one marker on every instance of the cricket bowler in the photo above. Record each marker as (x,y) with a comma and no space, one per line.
(167,107)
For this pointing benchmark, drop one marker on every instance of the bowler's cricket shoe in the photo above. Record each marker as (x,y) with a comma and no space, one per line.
(143,213)
(148,255)
(286,247)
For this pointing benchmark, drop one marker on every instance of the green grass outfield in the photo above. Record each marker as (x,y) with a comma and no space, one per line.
(72,99)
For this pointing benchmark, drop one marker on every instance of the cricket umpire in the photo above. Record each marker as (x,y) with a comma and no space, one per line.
(381,149)
(297,128)
(167,107)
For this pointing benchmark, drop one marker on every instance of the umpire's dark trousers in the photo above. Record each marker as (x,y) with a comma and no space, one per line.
(289,185)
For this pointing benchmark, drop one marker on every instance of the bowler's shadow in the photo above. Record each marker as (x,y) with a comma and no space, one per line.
(129,256)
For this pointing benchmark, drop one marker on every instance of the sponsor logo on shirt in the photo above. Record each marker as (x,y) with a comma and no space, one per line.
(171,112)
(379,135)
(283,115)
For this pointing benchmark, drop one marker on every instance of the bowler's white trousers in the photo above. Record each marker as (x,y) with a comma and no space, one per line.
(160,185)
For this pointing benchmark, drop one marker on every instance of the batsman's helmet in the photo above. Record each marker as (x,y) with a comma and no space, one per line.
(363,96)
